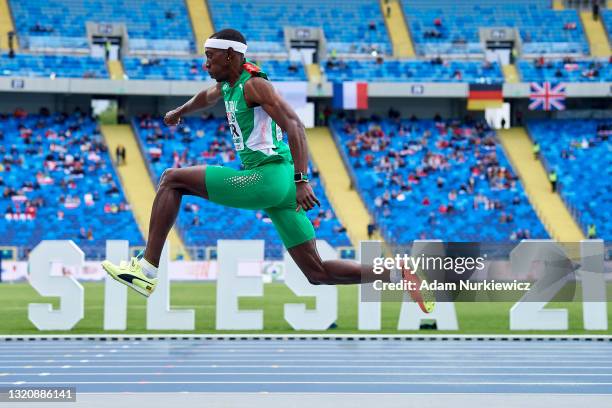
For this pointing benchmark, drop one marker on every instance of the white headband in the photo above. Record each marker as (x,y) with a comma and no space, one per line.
(225,44)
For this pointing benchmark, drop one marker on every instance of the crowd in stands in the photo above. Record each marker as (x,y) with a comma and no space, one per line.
(578,150)
(57,182)
(565,69)
(436,179)
(434,70)
(451,26)
(206,140)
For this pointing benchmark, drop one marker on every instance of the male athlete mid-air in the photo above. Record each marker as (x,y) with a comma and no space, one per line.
(274,178)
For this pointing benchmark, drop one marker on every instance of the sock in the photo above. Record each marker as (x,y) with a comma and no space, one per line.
(395,275)
(149,270)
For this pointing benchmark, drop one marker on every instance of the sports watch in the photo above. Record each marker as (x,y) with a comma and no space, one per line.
(300,178)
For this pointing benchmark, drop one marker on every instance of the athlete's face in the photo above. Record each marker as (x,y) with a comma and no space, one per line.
(217,63)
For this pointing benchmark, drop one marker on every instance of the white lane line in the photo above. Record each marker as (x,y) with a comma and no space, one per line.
(409,366)
(591,347)
(379,360)
(298,374)
(398,366)
(538,384)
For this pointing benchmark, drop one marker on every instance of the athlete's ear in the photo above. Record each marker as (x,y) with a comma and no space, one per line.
(229,53)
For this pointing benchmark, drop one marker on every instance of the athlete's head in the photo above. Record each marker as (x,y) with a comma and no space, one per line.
(224,51)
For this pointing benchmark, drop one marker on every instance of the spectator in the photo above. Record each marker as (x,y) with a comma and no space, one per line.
(536,151)
(552,177)
(595,10)
(592,231)
(371,228)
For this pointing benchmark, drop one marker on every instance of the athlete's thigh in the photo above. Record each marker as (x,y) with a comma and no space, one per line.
(188,180)
(253,189)
(293,226)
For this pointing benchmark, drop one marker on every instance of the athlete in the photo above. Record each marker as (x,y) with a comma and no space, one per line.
(274,178)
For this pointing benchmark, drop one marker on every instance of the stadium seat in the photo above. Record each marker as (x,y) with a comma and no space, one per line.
(191,69)
(580,153)
(410,172)
(412,71)
(566,71)
(461,20)
(345,23)
(202,223)
(66,66)
(63,22)
(45,196)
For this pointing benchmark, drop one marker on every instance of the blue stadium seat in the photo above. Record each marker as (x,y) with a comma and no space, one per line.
(560,71)
(461,21)
(418,168)
(202,223)
(146,22)
(36,172)
(191,69)
(345,23)
(66,66)
(583,161)
(412,71)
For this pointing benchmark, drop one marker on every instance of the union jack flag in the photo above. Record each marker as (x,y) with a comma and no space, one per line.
(547,97)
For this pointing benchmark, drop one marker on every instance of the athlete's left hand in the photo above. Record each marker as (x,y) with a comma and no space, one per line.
(305,197)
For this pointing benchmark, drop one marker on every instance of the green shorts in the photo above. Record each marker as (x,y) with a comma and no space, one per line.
(269,187)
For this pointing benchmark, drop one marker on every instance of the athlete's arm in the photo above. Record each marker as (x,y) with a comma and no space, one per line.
(258,91)
(203,99)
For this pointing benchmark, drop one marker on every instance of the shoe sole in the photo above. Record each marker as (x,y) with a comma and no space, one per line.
(427,306)
(138,289)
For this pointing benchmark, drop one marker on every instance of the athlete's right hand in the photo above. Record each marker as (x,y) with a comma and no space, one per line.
(172,118)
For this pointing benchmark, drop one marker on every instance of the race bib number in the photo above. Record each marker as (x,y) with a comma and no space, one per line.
(237,138)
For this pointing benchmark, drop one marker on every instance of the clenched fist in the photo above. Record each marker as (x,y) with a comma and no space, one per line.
(172,118)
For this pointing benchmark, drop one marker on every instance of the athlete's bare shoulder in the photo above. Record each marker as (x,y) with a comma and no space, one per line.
(258,91)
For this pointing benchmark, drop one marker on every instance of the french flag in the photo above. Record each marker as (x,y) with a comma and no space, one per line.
(350,95)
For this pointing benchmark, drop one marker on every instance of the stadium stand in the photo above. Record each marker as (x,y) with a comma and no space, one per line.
(55,171)
(566,70)
(66,66)
(450,27)
(350,27)
(162,24)
(435,179)
(436,70)
(191,69)
(202,223)
(579,150)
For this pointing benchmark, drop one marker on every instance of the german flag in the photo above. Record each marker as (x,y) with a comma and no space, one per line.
(484,96)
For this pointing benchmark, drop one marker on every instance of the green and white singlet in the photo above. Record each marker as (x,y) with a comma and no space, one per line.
(267,181)
(257,138)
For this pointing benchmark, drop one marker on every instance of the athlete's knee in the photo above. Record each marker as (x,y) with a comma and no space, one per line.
(316,276)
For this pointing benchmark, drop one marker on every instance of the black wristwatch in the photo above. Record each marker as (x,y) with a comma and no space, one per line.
(300,178)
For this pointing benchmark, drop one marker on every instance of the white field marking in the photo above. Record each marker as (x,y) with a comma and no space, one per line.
(410,366)
(4,374)
(298,374)
(84,361)
(16,383)
(539,384)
